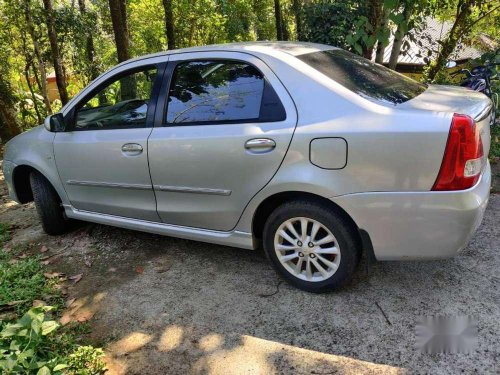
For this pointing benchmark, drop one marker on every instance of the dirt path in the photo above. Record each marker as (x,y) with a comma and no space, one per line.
(168,306)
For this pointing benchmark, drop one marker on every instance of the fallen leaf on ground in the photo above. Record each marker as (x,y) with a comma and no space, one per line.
(39,302)
(70,302)
(52,275)
(162,269)
(44,249)
(22,256)
(49,260)
(139,269)
(112,269)
(13,261)
(88,263)
(76,278)
(8,315)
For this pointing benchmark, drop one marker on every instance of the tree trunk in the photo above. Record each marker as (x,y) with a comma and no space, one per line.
(32,92)
(374,18)
(396,49)
(297,12)
(8,124)
(399,36)
(384,24)
(279,20)
(118,10)
(169,23)
(38,55)
(56,57)
(457,31)
(89,45)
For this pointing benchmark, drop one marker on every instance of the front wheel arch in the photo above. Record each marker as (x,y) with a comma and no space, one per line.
(21,183)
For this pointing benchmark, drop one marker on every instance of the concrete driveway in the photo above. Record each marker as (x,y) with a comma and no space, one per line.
(168,306)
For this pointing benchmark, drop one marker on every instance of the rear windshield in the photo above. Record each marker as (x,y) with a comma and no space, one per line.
(365,78)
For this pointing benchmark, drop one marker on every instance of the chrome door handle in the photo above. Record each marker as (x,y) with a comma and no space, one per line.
(132,148)
(260,144)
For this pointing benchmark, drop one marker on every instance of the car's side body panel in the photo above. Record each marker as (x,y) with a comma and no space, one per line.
(377,138)
(99,177)
(98,173)
(204,175)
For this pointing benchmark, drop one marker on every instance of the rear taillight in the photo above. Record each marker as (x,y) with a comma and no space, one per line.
(463,156)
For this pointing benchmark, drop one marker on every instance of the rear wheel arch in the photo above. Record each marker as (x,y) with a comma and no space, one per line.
(268,205)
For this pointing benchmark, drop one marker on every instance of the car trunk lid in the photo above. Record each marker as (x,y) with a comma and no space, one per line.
(455,99)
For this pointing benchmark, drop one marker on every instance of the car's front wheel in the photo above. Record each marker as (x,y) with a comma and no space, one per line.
(311,246)
(48,205)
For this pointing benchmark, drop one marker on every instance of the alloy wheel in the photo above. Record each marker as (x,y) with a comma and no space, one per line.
(307,249)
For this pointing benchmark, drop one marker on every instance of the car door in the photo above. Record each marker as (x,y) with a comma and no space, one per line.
(225,128)
(103,157)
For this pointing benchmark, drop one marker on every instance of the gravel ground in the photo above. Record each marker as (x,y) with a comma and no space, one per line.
(161,305)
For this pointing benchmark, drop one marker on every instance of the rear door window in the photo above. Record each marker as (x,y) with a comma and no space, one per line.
(365,78)
(221,91)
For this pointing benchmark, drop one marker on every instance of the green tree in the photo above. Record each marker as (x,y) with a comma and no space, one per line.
(467,14)
(56,54)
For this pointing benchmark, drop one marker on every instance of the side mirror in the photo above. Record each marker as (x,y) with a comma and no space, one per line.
(451,64)
(55,123)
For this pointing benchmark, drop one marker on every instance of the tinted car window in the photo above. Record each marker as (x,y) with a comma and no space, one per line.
(122,103)
(215,91)
(365,78)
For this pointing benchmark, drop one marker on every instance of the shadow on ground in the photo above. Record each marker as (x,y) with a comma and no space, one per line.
(161,305)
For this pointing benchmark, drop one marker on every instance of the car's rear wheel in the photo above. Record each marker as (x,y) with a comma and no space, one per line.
(313,247)
(48,205)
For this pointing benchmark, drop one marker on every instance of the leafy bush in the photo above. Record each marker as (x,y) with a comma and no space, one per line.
(24,346)
(29,346)
(86,360)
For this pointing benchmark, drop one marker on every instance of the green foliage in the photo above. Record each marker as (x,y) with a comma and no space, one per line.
(331,22)
(4,233)
(23,344)
(30,345)
(86,360)
(495,144)
(35,343)
(21,279)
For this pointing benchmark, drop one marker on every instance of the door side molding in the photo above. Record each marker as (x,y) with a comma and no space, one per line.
(109,185)
(187,189)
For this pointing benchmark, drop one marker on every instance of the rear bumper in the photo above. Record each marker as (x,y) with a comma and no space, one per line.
(419,225)
(8,168)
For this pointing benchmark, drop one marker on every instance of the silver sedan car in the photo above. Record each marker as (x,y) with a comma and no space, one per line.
(314,153)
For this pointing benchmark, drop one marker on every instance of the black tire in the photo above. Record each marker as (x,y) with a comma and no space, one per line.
(343,230)
(48,205)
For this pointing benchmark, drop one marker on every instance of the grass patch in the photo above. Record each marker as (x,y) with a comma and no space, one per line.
(22,279)
(495,143)
(4,233)
(35,343)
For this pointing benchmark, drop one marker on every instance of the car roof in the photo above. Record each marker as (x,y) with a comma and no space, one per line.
(262,47)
